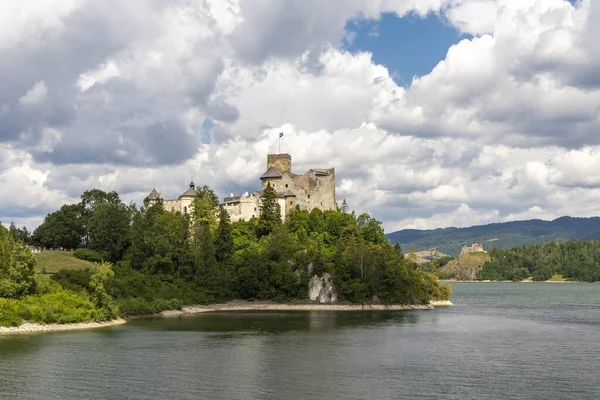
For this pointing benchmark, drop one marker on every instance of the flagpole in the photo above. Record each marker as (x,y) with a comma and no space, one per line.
(279,143)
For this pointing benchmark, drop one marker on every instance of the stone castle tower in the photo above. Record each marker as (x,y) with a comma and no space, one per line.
(313,189)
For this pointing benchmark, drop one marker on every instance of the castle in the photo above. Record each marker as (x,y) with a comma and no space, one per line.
(474,248)
(314,189)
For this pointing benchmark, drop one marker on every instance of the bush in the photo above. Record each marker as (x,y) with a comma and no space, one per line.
(90,255)
(75,280)
(9,313)
(139,306)
(45,285)
(61,308)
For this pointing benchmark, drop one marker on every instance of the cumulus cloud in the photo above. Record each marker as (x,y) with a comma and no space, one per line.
(115,95)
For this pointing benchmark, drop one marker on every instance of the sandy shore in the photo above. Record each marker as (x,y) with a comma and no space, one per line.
(29,327)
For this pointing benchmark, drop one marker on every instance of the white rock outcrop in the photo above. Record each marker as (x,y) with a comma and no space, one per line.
(321,289)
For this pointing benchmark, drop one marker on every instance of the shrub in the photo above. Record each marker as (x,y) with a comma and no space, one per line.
(62,307)
(45,285)
(9,313)
(75,280)
(89,255)
(139,306)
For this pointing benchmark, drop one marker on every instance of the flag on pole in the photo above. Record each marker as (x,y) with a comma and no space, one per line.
(280,134)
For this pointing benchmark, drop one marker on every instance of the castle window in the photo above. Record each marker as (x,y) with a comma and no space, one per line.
(252,215)
(254,208)
(309,196)
(286,185)
(185,210)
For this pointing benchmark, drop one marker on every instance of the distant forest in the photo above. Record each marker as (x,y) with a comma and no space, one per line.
(501,235)
(577,261)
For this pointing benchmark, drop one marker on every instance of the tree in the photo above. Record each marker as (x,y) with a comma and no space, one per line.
(90,200)
(270,212)
(17,275)
(224,243)
(344,207)
(207,193)
(98,282)
(108,230)
(205,262)
(63,228)
(13,232)
(203,206)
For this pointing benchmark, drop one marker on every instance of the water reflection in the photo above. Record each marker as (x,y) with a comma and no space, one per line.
(234,324)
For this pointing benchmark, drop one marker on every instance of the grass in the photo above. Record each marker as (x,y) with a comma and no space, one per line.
(557,278)
(51,262)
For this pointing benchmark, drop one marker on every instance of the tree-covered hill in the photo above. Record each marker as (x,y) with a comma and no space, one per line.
(499,235)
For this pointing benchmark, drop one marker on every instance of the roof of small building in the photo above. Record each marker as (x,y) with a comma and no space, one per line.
(154,195)
(271,173)
(191,192)
(289,193)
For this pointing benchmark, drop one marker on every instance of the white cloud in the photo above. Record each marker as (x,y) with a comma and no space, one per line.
(36,95)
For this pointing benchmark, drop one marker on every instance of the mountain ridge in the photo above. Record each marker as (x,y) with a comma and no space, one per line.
(499,234)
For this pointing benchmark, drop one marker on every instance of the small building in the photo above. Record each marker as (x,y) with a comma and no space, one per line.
(182,204)
(474,248)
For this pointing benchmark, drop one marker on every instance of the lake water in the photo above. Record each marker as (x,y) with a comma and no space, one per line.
(500,341)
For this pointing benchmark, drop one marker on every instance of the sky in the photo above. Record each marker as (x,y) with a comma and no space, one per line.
(434,113)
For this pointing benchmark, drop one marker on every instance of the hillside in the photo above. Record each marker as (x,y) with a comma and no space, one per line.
(500,235)
(466,266)
(50,261)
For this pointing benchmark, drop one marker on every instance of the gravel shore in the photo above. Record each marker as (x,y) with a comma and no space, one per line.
(29,327)
(261,306)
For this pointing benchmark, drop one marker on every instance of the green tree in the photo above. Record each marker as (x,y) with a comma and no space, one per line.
(204,206)
(108,230)
(344,207)
(224,244)
(98,282)
(206,192)
(63,228)
(17,275)
(270,212)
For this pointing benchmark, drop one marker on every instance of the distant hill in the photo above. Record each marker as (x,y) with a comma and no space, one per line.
(500,235)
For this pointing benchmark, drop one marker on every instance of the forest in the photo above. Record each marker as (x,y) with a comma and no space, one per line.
(149,259)
(576,261)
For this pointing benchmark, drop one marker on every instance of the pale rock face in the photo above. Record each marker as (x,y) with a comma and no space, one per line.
(320,289)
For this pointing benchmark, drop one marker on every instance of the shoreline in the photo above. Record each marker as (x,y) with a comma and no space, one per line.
(475,281)
(28,327)
(221,307)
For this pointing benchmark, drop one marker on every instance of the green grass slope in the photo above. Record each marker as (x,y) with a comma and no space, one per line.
(500,235)
(53,261)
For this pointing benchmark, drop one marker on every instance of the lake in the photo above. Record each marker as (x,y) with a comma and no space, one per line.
(500,341)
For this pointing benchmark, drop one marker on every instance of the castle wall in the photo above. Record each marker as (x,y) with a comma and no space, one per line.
(172,205)
(243,207)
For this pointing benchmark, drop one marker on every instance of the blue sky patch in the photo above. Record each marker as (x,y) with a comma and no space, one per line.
(206,132)
(407,46)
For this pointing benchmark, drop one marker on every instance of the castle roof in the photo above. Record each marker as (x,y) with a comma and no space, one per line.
(154,195)
(191,192)
(289,193)
(271,173)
